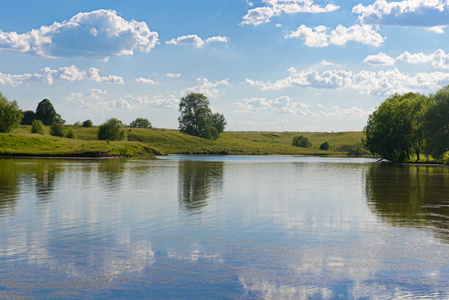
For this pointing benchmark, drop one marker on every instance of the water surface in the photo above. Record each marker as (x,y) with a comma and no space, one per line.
(223,227)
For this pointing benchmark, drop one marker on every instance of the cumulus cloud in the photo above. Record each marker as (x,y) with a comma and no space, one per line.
(70,73)
(380,59)
(318,36)
(128,102)
(438,59)
(282,105)
(90,95)
(173,75)
(366,82)
(194,40)
(97,34)
(261,15)
(414,13)
(209,89)
(146,81)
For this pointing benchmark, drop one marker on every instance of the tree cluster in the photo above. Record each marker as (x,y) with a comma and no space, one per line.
(45,112)
(10,114)
(197,118)
(301,141)
(406,126)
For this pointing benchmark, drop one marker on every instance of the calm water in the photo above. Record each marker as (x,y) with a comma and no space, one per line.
(223,227)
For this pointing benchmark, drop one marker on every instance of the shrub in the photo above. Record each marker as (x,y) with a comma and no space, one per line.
(77,123)
(56,129)
(325,146)
(70,134)
(28,117)
(10,114)
(140,123)
(112,130)
(301,141)
(37,127)
(87,123)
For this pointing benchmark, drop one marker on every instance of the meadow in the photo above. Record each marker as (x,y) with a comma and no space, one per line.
(142,142)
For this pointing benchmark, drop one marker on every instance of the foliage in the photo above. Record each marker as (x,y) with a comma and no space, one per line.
(436,124)
(70,134)
(10,114)
(56,129)
(197,118)
(325,146)
(28,117)
(37,127)
(301,141)
(47,113)
(140,123)
(87,123)
(77,123)
(112,130)
(394,131)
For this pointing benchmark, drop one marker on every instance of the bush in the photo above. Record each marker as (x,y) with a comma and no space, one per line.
(77,123)
(87,123)
(325,146)
(70,134)
(56,129)
(140,123)
(112,130)
(28,117)
(301,141)
(10,114)
(37,127)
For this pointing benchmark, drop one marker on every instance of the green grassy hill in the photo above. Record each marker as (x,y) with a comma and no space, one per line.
(170,141)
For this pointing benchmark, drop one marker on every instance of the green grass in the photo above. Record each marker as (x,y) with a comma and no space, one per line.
(170,141)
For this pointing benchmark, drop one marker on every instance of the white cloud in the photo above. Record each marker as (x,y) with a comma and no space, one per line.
(129,102)
(414,13)
(173,75)
(318,36)
(146,81)
(261,15)
(70,73)
(438,59)
(379,59)
(90,95)
(209,89)
(366,82)
(97,34)
(282,105)
(194,40)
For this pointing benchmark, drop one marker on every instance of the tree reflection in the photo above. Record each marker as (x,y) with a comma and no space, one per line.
(111,173)
(8,185)
(411,196)
(197,179)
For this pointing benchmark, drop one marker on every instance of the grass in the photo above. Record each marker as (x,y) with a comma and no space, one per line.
(169,141)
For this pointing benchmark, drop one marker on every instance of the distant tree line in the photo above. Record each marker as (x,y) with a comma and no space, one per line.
(406,127)
(196,119)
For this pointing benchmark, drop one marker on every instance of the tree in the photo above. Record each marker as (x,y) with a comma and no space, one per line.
(436,124)
(197,118)
(301,141)
(77,123)
(87,123)
(57,129)
(47,113)
(28,117)
(325,146)
(37,127)
(140,123)
(394,131)
(112,130)
(10,114)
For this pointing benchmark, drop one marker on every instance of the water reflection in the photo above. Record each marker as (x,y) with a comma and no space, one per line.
(197,179)
(8,185)
(111,173)
(410,195)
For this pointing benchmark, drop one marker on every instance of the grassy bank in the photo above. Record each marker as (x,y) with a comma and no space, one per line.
(169,141)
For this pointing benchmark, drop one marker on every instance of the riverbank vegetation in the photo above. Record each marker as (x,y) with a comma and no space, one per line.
(404,128)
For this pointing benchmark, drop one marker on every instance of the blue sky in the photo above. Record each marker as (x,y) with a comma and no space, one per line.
(282,65)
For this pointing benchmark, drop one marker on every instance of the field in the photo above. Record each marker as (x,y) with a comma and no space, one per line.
(170,141)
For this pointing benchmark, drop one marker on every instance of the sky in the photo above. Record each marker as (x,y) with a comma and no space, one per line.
(267,65)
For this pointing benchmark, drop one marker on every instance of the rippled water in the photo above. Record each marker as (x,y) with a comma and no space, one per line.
(223,227)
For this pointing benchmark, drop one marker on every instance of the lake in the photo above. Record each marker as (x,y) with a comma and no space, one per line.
(201,227)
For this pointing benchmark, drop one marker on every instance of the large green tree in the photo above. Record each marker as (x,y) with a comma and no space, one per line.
(394,131)
(10,114)
(436,124)
(140,123)
(47,113)
(197,118)
(112,130)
